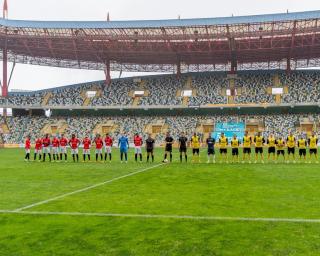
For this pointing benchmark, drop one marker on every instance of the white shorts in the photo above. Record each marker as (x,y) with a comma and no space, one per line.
(63,150)
(46,150)
(99,151)
(74,151)
(86,152)
(38,151)
(137,150)
(27,151)
(55,150)
(108,149)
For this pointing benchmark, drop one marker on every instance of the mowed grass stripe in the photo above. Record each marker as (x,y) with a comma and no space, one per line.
(86,188)
(155,216)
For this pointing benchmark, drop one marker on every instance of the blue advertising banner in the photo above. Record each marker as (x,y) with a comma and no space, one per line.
(229,129)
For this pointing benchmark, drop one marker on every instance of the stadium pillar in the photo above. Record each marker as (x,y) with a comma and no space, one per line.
(5,75)
(288,66)
(107,73)
(178,69)
(234,67)
(5,72)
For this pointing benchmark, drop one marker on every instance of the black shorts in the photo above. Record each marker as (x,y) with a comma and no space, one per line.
(259,150)
(280,152)
(272,150)
(210,151)
(195,151)
(168,149)
(313,151)
(246,150)
(183,150)
(235,151)
(291,151)
(223,151)
(302,152)
(149,150)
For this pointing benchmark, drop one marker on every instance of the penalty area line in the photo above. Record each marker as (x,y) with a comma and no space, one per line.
(85,189)
(155,216)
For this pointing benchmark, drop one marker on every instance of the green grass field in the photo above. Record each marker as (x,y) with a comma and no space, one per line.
(157,209)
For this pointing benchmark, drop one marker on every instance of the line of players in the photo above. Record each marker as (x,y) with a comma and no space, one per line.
(57,147)
(276,147)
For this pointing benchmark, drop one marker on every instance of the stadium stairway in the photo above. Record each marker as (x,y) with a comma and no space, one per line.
(136,101)
(54,128)
(103,128)
(185,101)
(4,127)
(86,102)
(46,99)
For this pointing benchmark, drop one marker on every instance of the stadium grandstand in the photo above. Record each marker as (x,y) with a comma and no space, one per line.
(245,68)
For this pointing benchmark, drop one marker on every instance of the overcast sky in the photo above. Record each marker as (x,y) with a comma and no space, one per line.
(32,77)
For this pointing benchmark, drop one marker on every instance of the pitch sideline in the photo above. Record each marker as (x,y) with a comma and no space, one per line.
(85,189)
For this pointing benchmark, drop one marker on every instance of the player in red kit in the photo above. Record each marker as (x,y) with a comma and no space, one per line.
(38,149)
(99,145)
(74,144)
(55,149)
(63,147)
(86,148)
(46,147)
(108,143)
(137,140)
(27,147)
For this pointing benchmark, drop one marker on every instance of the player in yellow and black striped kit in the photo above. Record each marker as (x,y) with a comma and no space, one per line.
(223,144)
(313,147)
(291,144)
(247,141)
(259,142)
(271,142)
(235,144)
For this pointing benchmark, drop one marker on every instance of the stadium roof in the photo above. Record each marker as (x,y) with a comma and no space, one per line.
(207,44)
(161,23)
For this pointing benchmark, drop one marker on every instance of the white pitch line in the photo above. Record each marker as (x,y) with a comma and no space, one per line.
(155,216)
(85,189)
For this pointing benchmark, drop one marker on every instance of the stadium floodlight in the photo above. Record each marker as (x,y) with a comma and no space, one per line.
(276,91)
(47,112)
(186,93)
(91,94)
(138,93)
(9,111)
(230,91)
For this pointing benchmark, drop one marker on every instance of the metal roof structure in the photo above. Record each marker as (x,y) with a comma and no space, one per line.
(231,43)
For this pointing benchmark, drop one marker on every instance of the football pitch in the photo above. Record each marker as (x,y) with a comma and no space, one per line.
(157,209)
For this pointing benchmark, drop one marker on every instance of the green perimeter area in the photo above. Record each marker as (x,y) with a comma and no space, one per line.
(238,190)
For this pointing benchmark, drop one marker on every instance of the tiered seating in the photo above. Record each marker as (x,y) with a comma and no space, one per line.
(20,127)
(253,87)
